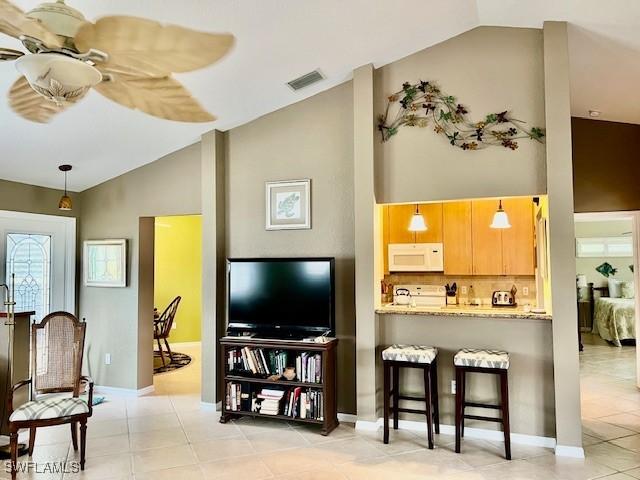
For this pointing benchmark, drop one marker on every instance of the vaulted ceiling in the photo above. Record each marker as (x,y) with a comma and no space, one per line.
(278,40)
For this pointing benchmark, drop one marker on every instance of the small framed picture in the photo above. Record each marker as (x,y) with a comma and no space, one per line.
(288,205)
(105,263)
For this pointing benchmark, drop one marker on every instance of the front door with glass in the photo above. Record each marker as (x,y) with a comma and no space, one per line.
(38,253)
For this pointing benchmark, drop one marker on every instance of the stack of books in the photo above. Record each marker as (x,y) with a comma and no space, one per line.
(307,404)
(309,367)
(257,361)
(235,399)
(268,401)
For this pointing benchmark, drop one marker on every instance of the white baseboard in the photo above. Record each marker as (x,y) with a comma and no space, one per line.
(125,392)
(493,435)
(347,418)
(184,344)
(213,407)
(566,451)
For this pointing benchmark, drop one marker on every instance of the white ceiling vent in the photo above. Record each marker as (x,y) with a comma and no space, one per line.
(305,80)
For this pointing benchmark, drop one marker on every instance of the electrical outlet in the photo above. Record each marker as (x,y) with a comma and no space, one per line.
(174,325)
(107,359)
(525,291)
(463,290)
(453,387)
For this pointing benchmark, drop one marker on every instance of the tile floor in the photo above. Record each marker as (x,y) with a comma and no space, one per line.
(169,435)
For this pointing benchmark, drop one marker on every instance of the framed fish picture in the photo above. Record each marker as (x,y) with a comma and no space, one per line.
(288,205)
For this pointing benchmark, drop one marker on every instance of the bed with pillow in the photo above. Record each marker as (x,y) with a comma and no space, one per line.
(614,316)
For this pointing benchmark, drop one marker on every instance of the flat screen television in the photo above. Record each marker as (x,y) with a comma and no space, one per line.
(281,297)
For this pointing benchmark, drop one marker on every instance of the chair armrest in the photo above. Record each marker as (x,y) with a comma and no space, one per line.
(16,387)
(88,381)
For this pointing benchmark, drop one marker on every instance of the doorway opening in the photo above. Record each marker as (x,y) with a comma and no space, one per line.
(177,297)
(607,284)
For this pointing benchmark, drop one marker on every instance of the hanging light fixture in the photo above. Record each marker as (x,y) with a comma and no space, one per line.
(500,218)
(65,200)
(417,223)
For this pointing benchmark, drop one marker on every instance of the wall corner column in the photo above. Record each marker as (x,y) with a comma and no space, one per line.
(365,224)
(561,240)
(213,258)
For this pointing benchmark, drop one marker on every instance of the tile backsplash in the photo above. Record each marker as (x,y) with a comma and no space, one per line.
(483,286)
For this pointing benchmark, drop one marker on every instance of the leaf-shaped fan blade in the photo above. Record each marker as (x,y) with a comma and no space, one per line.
(161,97)
(14,23)
(30,105)
(9,54)
(150,47)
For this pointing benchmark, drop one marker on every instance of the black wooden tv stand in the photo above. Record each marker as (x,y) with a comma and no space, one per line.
(250,383)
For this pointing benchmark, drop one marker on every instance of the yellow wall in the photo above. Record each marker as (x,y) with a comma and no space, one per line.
(178,271)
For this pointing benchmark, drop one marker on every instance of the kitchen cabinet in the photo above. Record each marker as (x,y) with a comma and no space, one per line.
(457,238)
(400,217)
(471,246)
(518,251)
(487,241)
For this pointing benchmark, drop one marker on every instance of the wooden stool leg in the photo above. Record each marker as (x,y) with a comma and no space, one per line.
(463,389)
(386,373)
(504,400)
(434,391)
(428,409)
(396,396)
(458,408)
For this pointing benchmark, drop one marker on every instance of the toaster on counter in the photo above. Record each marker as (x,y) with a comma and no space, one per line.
(504,298)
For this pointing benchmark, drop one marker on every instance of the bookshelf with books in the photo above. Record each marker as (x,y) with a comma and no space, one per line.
(284,379)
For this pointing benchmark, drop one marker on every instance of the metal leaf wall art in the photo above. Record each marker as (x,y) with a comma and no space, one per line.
(423,105)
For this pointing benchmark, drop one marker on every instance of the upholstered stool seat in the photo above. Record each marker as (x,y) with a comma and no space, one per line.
(495,362)
(470,357)
(396,357)
(410,353)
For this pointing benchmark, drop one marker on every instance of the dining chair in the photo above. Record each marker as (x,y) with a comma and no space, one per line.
(57,346)
(162,327)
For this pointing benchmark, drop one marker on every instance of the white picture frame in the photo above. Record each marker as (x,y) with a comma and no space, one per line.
(288,205)
(105,263)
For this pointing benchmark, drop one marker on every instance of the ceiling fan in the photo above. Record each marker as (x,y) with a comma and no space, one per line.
(129,60)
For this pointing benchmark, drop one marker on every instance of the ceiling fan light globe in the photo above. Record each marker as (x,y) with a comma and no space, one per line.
(59,18)
(56,76)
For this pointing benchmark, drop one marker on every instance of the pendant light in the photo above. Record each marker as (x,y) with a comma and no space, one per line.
(500,218)
(417,223)
(65,200)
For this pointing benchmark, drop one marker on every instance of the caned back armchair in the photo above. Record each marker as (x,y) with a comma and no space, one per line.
(162,327)
(57,346)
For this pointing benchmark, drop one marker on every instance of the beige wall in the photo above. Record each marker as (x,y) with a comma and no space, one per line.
(531,399)
(169,186)
(312,139)
(20,197)
(488,69)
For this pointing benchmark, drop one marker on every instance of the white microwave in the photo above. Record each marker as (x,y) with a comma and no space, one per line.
(416,257)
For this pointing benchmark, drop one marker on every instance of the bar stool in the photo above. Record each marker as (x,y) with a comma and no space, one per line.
(494,362)
(411,356)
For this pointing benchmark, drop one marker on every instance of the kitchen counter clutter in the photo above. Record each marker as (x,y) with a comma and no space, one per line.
(483,311)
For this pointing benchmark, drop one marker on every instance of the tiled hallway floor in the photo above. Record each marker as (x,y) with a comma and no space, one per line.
(169,435)
(610,405)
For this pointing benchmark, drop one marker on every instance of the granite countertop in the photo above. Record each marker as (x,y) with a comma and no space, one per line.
(484,311)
